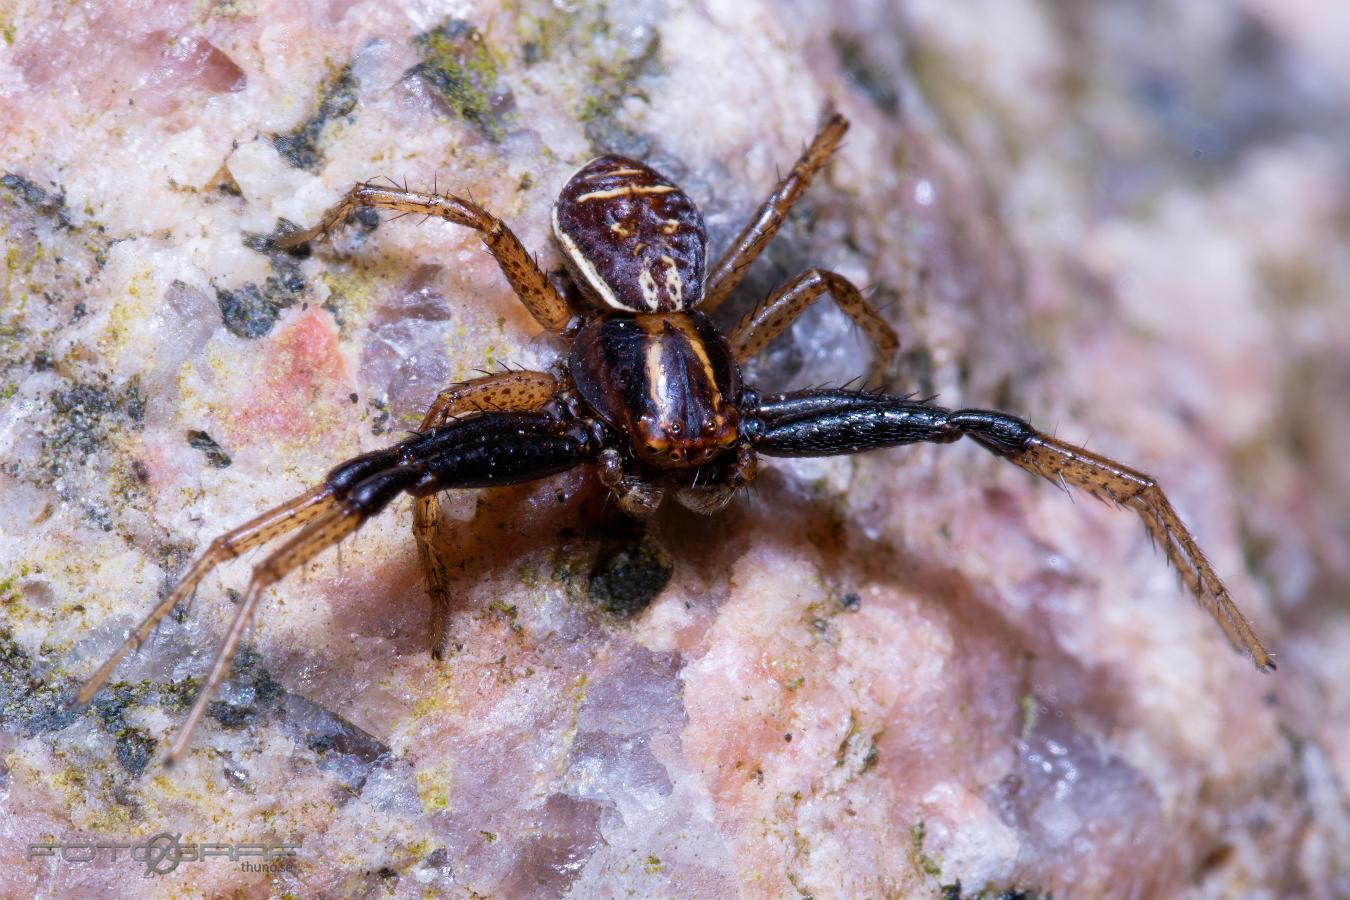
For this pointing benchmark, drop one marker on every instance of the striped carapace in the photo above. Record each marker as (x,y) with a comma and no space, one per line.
(649,396)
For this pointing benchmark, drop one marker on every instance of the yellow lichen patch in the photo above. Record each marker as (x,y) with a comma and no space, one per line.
(433,787)
(438,700)
(461,67)
(115,818)
(11,596)
(570,734)
(134,305)
(73,784)
(353,293)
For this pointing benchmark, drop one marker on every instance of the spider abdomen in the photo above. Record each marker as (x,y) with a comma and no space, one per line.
(631,238)
(667,380)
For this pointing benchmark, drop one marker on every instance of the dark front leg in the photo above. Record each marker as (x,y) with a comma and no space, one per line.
(480,451)
(826,423)
(483,450)
(503,392)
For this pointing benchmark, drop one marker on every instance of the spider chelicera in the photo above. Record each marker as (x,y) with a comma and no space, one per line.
(650,395)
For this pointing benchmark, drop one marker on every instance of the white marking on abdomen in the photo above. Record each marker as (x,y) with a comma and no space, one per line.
(648,285)
(674,286)
(585,266)
(627,190)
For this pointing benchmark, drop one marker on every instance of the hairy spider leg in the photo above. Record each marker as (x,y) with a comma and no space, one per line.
(504,392)
(1122,486)
(315,537)
(731,266)
(829,422)
(531,285)
(781,308)
(271,524)
(713,497)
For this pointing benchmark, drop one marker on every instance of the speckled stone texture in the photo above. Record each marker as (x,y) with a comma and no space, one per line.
(915,673)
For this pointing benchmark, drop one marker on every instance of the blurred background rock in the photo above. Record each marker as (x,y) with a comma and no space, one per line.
(912,673)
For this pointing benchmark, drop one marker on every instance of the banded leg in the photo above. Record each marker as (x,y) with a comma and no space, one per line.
(731,267)
(507,392)
(781,308)
(255,532)
(823,423)
(530,284)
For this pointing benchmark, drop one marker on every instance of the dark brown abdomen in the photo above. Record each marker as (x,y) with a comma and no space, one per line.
(631,237)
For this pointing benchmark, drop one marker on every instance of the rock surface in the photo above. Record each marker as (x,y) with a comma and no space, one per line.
(909,673)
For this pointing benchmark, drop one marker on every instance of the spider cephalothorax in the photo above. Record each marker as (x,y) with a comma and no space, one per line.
(650,395)
(667,380)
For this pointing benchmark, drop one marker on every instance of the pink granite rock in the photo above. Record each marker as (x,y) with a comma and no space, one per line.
(907,673)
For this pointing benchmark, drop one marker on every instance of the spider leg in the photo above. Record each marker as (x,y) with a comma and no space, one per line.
(1120,485)
(530,284)
(483,450)
(271,524)
(507,392)
(520,391)
(315,537)
(781,308)
(713,497)
(727,272)
(828,422)
(636,496)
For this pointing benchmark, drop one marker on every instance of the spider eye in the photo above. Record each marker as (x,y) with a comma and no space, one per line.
(676,428)
(676,456)
(709,426)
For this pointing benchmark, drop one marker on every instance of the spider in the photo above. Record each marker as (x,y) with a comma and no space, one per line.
(650,395)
